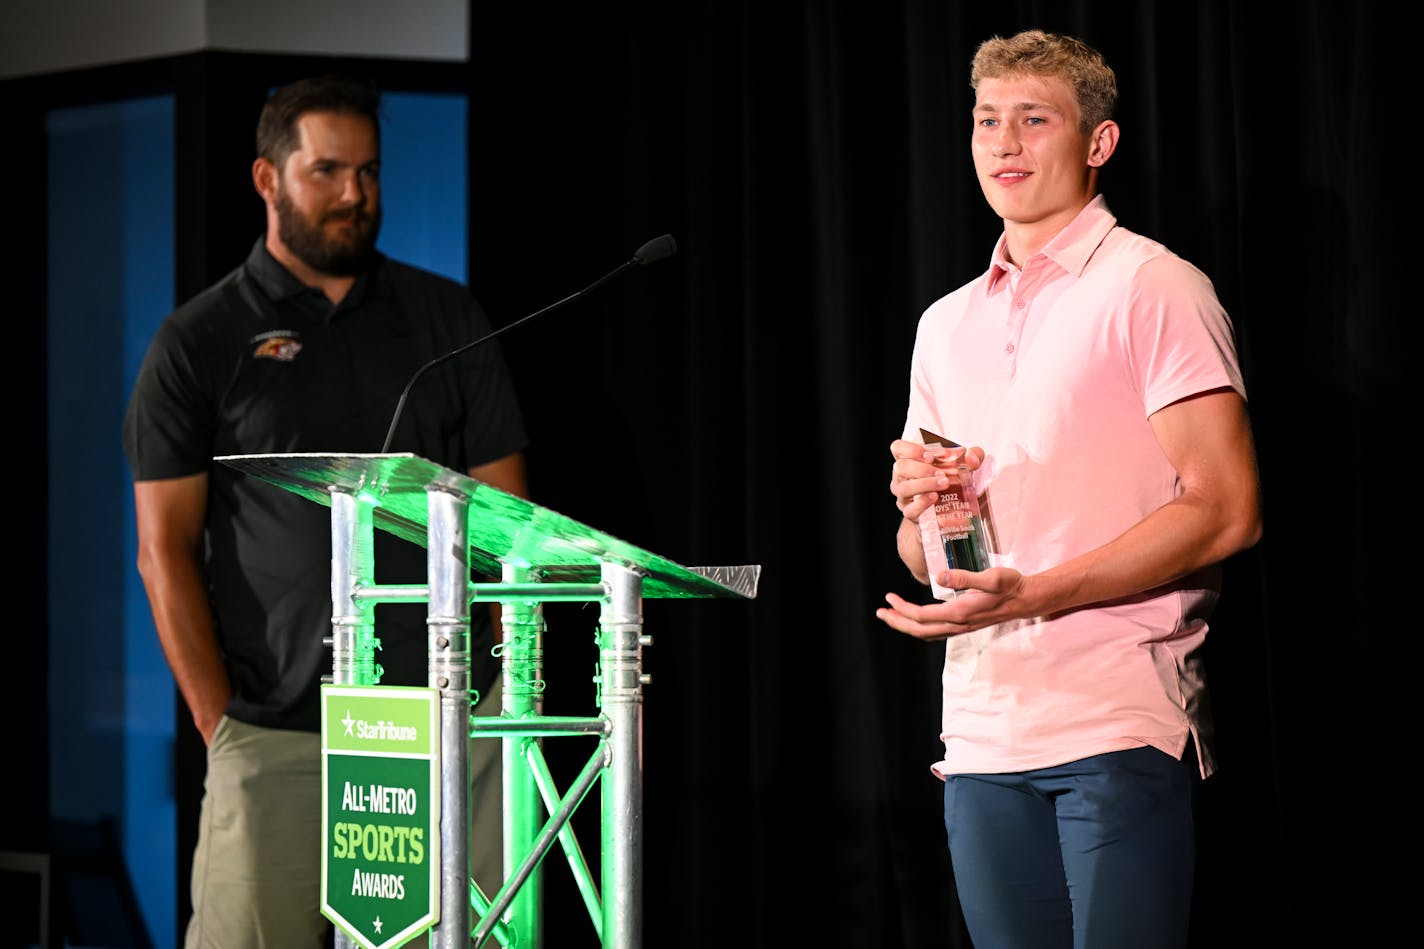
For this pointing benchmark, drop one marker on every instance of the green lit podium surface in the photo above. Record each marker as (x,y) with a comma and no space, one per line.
(541,556)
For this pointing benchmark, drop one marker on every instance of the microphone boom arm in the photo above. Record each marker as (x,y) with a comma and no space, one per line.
(654,250)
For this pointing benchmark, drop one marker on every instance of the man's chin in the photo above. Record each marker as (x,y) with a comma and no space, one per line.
(348,253)
(344,237)
(356,261)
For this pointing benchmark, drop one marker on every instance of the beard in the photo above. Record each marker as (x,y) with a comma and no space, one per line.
(305,237)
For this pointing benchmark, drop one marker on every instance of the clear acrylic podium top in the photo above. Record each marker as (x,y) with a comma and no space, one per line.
(503,528)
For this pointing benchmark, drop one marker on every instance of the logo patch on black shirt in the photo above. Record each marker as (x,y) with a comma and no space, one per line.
(282,346)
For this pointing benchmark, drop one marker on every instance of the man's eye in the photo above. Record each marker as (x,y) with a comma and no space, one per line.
(1034,120)
(988,123)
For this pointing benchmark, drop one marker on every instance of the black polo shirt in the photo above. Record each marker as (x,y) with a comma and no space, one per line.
(260,363)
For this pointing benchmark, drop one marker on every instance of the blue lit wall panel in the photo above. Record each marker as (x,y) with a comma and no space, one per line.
(110,282)
(423,162)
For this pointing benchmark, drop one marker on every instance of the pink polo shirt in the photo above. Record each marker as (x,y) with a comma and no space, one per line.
(1053,372)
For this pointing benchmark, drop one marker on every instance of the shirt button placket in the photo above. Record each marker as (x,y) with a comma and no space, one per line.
(1016,324)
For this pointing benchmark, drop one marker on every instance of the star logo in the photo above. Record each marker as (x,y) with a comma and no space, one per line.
(377,925)
(348,721)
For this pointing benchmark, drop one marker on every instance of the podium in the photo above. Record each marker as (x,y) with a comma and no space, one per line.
(468,527)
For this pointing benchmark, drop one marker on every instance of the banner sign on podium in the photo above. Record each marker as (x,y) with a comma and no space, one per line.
(380,847)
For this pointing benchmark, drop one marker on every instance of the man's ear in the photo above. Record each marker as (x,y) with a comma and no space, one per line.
(1102,144)
(264,179)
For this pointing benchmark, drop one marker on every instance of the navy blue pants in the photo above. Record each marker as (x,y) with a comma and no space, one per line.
(1093,854)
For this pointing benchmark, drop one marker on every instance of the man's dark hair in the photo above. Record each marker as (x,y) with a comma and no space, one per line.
(277,135)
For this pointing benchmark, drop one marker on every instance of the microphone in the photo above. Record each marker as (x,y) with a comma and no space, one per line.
(659,248)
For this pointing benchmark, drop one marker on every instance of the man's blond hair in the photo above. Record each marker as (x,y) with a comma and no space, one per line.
(1036,53)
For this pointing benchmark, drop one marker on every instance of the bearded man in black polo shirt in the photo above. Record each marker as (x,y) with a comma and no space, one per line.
(305,347)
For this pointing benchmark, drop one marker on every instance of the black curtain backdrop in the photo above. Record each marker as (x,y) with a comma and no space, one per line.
(735,404)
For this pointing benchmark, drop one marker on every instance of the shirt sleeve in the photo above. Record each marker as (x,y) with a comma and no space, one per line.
(1183,341)
(167,430)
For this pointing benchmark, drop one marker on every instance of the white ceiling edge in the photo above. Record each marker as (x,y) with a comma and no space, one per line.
(46,36)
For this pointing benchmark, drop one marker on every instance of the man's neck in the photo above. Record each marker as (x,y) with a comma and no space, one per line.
(333,286)
(1023,239)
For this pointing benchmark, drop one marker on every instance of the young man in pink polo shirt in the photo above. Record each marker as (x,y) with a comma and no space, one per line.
(1092,375)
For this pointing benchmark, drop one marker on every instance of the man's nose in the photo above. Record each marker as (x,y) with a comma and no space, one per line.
(1006,143)
(353,191)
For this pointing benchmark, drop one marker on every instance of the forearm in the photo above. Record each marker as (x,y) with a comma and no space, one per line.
(177,594)
(912,550)
(1177,539)
(1218,512)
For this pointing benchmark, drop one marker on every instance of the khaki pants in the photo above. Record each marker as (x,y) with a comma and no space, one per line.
(257,866)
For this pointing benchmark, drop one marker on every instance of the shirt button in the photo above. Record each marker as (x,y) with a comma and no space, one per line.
(1019,304)
(1009,348)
